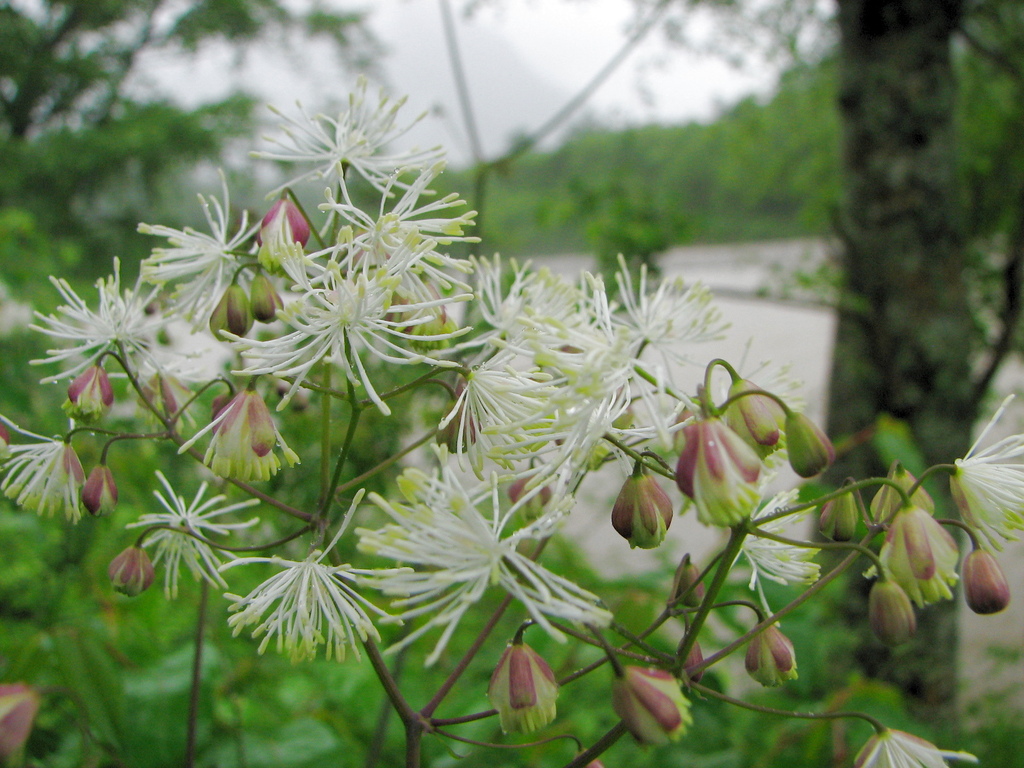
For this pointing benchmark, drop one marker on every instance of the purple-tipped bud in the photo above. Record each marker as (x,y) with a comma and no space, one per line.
(219,402)
(651,704)
(920,556)
(131,572)
(642,512)
(757,419)
(233,313)
(890,613)
(99,494)
(283,223)
(770,659)
(839,518)
(686,585)
(264,299)
(888,500)
(535,500)
(458,429)
(19,704)
(523,689)
(89,395)
(985,586)
(810,450)
(718,471)
(694,658)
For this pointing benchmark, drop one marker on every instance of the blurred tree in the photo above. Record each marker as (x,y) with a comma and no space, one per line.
(84,150)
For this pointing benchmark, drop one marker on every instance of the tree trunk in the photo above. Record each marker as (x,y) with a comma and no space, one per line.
(905,339)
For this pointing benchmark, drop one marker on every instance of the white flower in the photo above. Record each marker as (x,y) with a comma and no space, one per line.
(670,317)
(202,265)
(44,476)
(173,545)
(120,321)
(989,490)
(337,320)
(356,139)
(455,536)
(311,596)
(897,749)
(775,560)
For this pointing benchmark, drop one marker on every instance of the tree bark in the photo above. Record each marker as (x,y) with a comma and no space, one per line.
(906,339)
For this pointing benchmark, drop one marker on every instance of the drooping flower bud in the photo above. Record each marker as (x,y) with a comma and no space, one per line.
(89,395)
(264,299)
(770,659)
(19,704)
(534,506)
(99,494)
(985,587)
(523,689)
(651,704)
(284,222)
(686,584)
(642,512)
(839,517)
(719,472)
(694,658)
(810,450)
(888,500)
(131,572)
(233,313)
(757,419)
(244,436)
(920,556)
(890,613)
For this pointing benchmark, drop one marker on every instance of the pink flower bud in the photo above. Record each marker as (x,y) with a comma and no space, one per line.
(89,395)
(890,613)
(920,556)
(770,659)
(755,418)
(810,450)
(642,512)
(888,500)
(651,704)
(839,518)
(285,223)
(131,572)
(99,495)
(694,658)
(244,436)
(718,471)
(264,299)
(534,506)
(19,704)
(523,690)
(233,313)
(686,584)
(985,586)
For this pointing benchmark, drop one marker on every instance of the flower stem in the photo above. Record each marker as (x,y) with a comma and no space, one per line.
(197,673)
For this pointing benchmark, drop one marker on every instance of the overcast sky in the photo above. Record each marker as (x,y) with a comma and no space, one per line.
(524,59)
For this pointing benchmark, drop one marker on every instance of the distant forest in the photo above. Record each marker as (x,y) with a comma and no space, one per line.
(764,169)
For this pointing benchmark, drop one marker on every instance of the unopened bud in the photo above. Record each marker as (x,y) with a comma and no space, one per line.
(523,689)
(5,441)
(651,704)
(985,586)
(131,572)
(535,502)
(890,613)
(19,704)
(233,313)
(285,223)
(839,517)
(693,659)
(89,395)
(718,471)
(264,299)
(642,512)
(770,659)
(686,584)
(99,494)
(758,419)
(888,500)
(810,450)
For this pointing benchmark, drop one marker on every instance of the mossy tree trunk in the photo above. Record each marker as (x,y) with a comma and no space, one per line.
(906,338)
